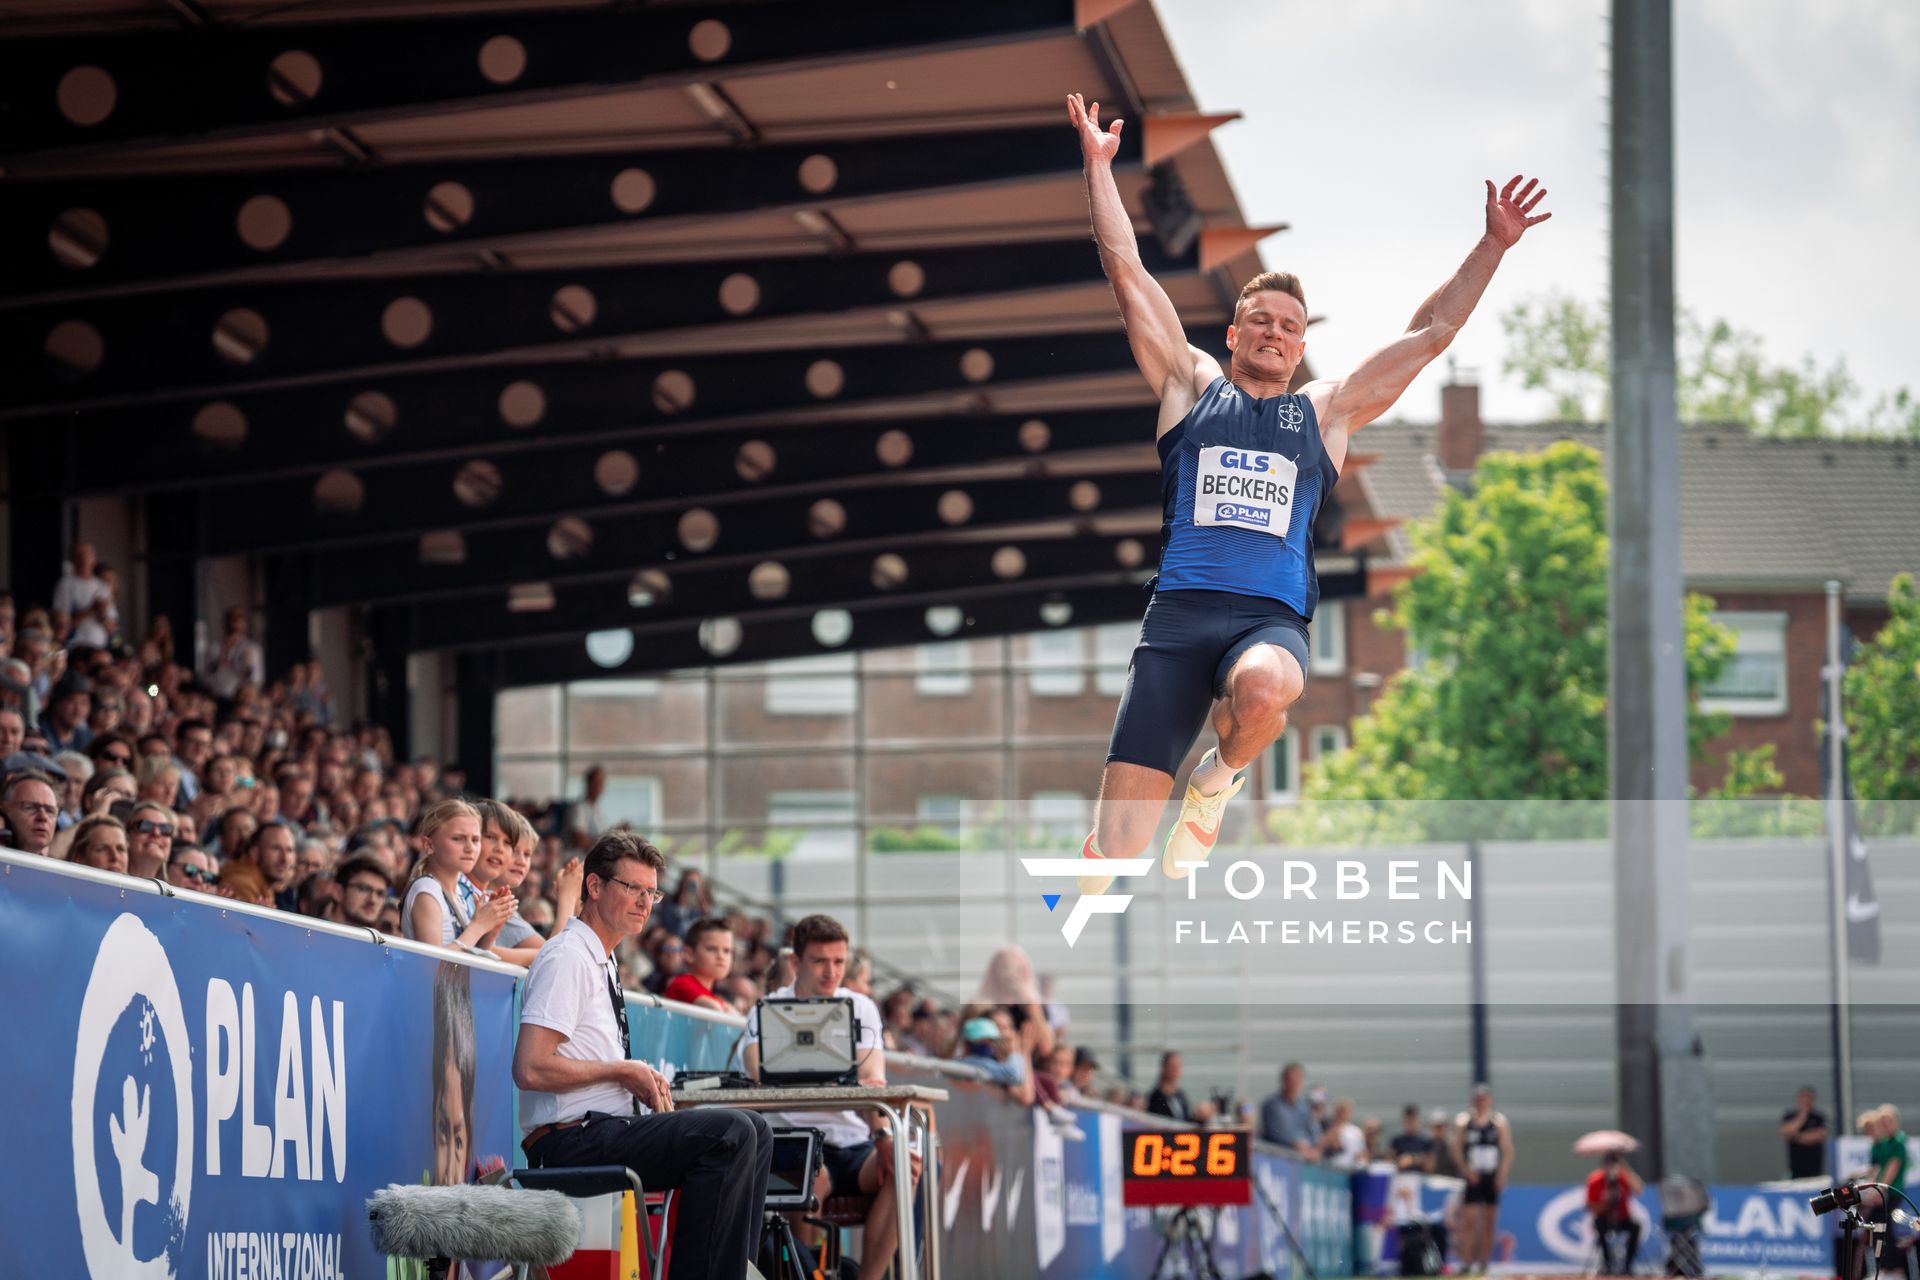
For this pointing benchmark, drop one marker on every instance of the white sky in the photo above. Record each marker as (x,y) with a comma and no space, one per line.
(1369,125)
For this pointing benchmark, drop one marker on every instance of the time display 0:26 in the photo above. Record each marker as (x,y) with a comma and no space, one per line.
(1187,1155)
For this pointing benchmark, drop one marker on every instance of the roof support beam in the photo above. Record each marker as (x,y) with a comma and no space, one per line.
(723,468)
(234,80)
(927,574)
(616,547)
(154,344)
(510,408)
(877,624)
(160,228)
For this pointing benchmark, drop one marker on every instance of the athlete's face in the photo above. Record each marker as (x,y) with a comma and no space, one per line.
(1268,336)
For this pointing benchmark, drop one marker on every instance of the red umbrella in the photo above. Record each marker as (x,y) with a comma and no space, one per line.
(1603,1141)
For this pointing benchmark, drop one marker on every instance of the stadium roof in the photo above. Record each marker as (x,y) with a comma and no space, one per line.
(1755,513)
(516,323)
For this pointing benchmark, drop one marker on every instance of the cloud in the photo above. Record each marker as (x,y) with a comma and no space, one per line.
(1369,124)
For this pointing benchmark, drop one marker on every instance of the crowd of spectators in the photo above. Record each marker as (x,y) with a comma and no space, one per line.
(133,756)
(1304,1120)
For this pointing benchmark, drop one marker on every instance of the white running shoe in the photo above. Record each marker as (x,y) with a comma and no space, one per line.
(1091,884)
(1197,827)
(1065,1125)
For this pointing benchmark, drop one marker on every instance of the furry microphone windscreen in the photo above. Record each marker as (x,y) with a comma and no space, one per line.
(474,1222)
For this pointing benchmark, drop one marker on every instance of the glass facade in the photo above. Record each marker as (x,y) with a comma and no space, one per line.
(821,759)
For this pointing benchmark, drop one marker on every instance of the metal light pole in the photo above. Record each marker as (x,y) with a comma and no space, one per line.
(1664,1096)
(1837,846)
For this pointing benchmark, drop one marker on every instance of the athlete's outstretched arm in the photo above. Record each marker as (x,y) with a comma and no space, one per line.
(1345,405)
(1154,331)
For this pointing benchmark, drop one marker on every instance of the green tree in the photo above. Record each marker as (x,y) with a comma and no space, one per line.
(1507,610)
(1882,693)
(1559,344)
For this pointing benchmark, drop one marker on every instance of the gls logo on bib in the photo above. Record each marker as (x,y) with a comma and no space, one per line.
(132,1100)
(1245,489)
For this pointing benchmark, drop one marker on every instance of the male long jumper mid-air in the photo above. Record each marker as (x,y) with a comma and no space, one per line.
(1245,464)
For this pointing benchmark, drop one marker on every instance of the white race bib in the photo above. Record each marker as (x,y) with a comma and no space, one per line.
(1245,489)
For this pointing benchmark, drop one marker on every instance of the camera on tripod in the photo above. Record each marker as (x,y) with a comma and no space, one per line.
(1855,1197)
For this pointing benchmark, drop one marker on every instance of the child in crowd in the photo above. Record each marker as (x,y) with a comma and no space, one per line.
(441,905)
(710,948)
(506,856)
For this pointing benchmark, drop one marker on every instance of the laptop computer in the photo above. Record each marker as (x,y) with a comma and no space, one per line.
(807,1041)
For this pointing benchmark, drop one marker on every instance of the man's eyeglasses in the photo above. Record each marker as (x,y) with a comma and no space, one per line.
(198,876)
(638,890)
(47,811)
(147,827)
(125,761)
(371,890)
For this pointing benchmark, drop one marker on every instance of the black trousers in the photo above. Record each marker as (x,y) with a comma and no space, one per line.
(715,1157)
(1611,1231)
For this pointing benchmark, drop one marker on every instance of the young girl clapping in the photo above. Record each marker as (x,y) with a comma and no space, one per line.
(442,905)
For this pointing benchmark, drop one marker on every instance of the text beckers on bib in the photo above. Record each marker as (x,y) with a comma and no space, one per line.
(1245,489)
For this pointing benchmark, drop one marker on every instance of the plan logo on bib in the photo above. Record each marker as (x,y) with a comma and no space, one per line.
(1227,513)
(132,1110)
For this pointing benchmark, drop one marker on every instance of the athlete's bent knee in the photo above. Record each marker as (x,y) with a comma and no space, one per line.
(1263,697)
(1121,833)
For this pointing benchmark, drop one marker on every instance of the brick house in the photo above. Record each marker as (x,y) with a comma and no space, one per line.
(1764,525)
(956,734)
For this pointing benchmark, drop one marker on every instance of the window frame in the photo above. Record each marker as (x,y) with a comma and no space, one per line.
(826,684)
(1061,677)
(931,680)
(1771,625)
(1327,638)
(1337,732)
(1285,748)
(656,800)
(1109,670)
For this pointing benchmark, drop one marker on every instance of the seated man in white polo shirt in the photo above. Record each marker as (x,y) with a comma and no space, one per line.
(858,1156)
(585,1102)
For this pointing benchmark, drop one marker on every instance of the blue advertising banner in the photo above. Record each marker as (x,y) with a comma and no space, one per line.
(1085,1233)
(1747,1229)
(1276,1187)
(1324,1220)
(216,1094)
(663,1036)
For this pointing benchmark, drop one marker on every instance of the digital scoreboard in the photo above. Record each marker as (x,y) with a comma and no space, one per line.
(1186,1167)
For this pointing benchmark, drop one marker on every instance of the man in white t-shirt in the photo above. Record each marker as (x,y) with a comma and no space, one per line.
(583,1100)
(858,1157)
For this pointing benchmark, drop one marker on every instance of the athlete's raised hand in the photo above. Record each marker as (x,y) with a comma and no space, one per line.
(1096,144)
(1507,212)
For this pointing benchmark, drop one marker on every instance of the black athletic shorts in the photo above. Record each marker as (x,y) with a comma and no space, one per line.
(1485,1191)
(843,1167)
(1189,641)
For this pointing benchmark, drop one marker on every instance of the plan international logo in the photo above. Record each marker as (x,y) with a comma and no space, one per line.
(133,1040)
